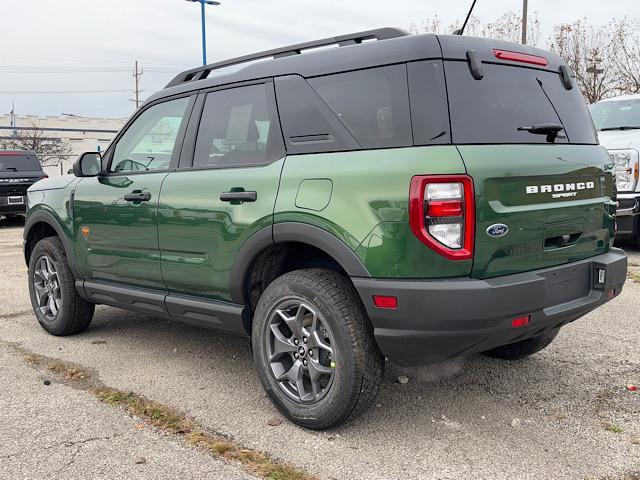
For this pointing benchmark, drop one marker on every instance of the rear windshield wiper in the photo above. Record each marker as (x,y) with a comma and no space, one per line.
(622,127)
(551,130)
(11,169)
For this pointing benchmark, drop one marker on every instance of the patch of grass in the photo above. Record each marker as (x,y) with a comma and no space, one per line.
(560,416)
(166,418)
(611,427)
(634,276)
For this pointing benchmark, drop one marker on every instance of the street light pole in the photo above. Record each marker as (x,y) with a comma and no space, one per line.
(524,21)
(204,30)
(204,33)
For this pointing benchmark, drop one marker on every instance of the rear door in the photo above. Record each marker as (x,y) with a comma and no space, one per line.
(223,192)
(541,200)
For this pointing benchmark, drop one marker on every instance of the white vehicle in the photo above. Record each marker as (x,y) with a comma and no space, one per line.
(618,122)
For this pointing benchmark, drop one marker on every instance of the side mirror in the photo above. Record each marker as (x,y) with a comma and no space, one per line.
(89,164)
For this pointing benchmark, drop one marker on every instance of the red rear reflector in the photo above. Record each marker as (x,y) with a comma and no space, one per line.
(520,321)
(10,154)
(444,208)
(385,301)
(520,57)
(611,294)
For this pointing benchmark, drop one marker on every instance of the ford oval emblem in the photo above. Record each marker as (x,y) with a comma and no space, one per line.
(497,230)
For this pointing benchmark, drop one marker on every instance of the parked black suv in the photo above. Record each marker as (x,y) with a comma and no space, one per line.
(19,169)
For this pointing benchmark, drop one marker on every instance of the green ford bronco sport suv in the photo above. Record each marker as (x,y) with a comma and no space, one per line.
(415,197)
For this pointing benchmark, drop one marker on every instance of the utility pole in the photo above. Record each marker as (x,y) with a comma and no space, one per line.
(13,120)
(525,7)
(136,75)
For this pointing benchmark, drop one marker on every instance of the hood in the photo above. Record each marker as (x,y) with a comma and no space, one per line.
(619,139)
(52,183)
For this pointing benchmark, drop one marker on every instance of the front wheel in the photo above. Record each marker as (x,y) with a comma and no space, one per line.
(56,304)
(314,350)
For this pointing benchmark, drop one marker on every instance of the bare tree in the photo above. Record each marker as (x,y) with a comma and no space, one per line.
(506,27)
(626,55)
(50,151)
(590,52)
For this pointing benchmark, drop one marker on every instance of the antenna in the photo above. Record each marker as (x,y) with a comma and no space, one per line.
(461,31)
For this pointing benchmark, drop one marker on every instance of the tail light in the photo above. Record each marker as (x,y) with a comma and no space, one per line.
(442,214)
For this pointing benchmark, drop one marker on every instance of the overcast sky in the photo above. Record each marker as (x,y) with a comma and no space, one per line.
(91,45)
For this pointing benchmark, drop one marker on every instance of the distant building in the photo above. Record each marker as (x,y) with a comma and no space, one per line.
(82,133)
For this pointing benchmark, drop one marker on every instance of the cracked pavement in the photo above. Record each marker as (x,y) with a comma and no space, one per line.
(451,421)
(57,432)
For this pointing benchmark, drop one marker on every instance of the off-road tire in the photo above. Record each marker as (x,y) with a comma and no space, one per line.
(359,364)
(523,348)
(75,313)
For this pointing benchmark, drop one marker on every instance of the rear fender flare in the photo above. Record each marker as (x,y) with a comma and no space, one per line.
(291,232)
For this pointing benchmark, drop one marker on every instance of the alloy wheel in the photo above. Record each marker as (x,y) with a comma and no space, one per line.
(47,287)
(300,349)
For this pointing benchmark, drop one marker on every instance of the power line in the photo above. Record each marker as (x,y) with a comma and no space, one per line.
(62,70)
(57,92)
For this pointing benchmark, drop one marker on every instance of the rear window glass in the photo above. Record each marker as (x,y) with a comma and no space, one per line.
(18,162)
(373,104)
(490,110)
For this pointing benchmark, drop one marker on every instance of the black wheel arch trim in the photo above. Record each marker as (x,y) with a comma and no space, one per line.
(42,216)
(291,232)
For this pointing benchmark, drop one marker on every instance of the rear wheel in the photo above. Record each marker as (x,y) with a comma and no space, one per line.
(314,350)
(523,348)
(56,304)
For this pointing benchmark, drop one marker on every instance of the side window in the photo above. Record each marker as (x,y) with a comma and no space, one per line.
(149,141)
(373,104)
(429,109)
(236,129)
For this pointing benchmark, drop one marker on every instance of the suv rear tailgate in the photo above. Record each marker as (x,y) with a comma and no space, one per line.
(554,199)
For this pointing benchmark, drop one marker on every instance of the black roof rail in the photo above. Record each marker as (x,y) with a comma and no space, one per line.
(342,40)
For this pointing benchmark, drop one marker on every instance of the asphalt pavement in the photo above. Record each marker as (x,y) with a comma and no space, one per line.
(563,413)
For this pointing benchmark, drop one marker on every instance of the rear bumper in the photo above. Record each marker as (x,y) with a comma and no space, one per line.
(441,319)
(12,209)
(627,214)
(7,207)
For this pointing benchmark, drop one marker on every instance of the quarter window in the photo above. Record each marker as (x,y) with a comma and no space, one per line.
(149,142)
(236,130)
(373,104)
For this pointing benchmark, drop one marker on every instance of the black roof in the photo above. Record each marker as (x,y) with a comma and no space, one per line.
(355,51)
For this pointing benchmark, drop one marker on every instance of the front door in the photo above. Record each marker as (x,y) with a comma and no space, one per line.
(211,206)
(115,213)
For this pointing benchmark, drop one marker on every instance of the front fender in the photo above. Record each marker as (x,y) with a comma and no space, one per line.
(44,215)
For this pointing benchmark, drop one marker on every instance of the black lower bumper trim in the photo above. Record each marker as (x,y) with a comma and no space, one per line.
(441,319)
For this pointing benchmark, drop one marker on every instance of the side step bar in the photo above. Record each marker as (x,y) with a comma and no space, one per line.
(200,312)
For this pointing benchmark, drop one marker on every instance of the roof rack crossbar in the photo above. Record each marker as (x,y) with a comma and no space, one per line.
(343,40)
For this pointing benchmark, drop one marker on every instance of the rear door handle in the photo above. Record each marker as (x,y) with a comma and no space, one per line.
(137,197)
(239,196)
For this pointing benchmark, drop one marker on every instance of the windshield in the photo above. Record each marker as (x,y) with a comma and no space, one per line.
(616,114)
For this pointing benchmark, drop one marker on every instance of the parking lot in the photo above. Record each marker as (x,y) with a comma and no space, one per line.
(564,413)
